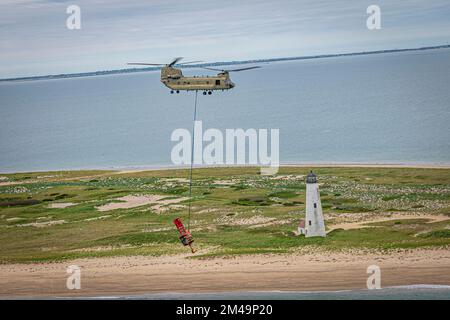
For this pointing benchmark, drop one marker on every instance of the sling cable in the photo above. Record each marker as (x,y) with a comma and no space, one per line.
(185,235)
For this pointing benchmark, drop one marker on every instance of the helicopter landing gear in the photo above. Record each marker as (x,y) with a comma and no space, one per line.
(178,91)
(209,92)
(204,93)
(171,91)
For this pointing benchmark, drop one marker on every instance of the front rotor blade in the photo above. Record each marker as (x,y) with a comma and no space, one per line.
(145,64)
(232,70)
(175,61)
(190,62)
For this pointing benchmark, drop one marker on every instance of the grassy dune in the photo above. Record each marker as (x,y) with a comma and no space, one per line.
(234,211)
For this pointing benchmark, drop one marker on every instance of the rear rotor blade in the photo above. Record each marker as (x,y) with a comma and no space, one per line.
(213,69)
(242,69)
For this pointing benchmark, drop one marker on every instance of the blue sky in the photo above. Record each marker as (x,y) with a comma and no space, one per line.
(34,39)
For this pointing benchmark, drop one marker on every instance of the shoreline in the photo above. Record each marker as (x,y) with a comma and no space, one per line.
(308,271)
(126,169)
(263,295)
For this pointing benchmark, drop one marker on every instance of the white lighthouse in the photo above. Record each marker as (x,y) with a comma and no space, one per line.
(314,224)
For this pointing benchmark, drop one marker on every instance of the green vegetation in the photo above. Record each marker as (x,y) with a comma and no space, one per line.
(234,211)
(437,234)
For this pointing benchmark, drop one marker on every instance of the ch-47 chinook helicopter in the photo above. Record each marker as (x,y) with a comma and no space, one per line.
(172,77)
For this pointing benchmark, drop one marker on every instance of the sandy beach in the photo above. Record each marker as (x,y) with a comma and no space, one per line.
(303,271)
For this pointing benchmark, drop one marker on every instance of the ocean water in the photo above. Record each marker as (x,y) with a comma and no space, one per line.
(385,108)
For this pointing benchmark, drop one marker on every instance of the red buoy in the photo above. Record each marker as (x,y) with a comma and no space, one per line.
(185,236)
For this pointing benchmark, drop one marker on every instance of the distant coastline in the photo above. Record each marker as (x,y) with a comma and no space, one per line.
(212,64)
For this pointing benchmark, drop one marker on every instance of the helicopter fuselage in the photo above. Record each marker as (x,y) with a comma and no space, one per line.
(173,78)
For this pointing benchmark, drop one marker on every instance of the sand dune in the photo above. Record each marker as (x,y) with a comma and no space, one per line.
(133,201)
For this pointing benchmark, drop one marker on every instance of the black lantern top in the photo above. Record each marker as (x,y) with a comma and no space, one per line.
(311,178)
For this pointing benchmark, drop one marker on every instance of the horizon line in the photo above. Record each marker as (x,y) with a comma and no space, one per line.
(212,64)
